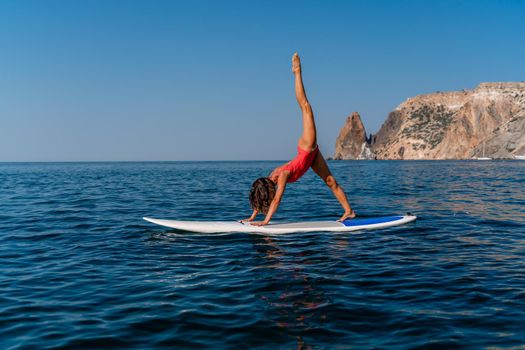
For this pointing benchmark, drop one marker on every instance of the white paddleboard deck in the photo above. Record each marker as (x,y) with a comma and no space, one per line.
(282,228)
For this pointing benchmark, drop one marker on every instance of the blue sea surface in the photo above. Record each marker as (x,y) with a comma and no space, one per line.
(80,269)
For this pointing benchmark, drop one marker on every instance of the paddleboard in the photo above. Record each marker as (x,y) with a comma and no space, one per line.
(369,223)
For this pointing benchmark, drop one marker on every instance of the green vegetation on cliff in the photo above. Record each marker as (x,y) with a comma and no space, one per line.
(428,124)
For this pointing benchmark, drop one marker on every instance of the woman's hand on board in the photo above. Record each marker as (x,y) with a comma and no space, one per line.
(259,223)
(251,218)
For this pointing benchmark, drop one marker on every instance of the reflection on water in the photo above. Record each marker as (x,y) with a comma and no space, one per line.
(296,308)
(80,269)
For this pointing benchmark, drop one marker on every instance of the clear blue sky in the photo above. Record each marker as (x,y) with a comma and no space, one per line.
(210,80)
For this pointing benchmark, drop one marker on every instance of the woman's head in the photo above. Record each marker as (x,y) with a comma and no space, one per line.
(261,194)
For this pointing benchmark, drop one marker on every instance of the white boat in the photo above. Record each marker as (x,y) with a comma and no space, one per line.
(520,157)
(483,157)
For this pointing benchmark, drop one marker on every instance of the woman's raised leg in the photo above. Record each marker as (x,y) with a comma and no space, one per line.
(308,140)
(320,167)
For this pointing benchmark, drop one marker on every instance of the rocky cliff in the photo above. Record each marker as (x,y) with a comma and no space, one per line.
(352,142)
(454,125)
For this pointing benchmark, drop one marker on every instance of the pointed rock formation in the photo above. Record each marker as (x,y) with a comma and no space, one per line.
(352,142)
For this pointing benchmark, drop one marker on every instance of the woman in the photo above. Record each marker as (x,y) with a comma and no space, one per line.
(267,192)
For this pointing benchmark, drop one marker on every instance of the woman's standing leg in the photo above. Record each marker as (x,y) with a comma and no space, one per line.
(308,140)
(320,167)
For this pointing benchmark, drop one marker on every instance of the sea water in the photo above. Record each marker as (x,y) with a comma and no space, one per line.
(81,269)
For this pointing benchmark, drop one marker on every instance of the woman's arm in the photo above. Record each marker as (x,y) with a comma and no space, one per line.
(281,186)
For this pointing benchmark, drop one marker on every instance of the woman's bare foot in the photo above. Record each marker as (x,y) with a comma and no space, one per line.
(347,215)
(296,64)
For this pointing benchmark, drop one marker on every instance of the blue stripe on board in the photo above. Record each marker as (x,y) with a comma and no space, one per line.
(370,221)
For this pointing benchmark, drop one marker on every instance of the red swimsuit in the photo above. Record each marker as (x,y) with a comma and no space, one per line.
(300,164)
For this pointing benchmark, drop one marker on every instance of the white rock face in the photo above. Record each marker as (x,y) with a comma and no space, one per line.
(366,152)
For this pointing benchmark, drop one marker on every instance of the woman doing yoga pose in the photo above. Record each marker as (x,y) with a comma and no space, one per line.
(266,192)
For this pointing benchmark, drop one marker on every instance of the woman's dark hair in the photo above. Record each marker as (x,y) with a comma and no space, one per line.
(261,194)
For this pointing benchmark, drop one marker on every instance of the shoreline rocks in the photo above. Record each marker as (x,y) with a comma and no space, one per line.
(444,125)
